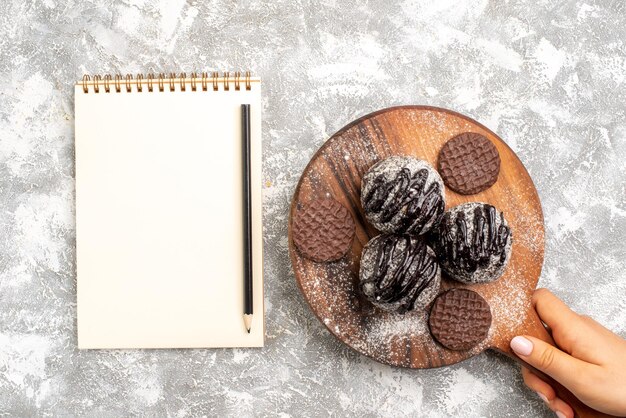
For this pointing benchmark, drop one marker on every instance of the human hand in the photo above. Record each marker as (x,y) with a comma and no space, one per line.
(590,360)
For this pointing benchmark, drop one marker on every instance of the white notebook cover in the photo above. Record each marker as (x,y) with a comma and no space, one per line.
(159,218)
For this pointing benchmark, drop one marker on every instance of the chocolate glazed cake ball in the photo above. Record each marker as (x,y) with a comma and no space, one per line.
(403,195)
(473,243)
(399,272)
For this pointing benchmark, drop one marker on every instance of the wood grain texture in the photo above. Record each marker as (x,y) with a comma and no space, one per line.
(331,289)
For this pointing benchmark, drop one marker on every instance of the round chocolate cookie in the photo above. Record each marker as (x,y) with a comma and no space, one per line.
(460,319)
(473,243)
(323,230)
(403,195)
(399,272)
(469,163)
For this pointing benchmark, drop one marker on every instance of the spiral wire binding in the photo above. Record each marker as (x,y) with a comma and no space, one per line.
(162,82)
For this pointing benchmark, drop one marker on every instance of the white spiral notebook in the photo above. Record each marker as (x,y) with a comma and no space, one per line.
(159,219)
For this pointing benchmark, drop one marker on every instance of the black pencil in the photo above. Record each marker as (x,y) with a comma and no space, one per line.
(247,217)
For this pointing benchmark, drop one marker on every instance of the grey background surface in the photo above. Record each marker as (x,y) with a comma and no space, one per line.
(547,76)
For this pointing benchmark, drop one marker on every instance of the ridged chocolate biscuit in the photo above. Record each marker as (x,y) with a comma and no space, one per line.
(469,163)
(460,319)
(323,230)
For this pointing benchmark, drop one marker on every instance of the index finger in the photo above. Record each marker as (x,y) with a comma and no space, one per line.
(570,331)
(551,309)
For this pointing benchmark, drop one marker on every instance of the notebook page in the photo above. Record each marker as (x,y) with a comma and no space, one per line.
(159,219)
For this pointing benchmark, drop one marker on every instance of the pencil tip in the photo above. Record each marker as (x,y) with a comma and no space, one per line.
(247,320)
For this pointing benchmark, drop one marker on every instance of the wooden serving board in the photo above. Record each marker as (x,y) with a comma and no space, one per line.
(331,289)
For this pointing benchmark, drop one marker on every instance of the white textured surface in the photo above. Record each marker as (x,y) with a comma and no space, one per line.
(547,77)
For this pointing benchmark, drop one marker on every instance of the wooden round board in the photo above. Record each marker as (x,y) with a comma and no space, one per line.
(331,289)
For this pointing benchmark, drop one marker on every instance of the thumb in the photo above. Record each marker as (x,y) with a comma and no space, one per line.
(562,367)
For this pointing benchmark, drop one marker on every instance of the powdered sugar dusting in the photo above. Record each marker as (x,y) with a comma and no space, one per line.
(412,324)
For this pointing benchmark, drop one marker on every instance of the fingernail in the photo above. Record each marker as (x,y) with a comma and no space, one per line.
(560,414)
(543,397)
(522,346)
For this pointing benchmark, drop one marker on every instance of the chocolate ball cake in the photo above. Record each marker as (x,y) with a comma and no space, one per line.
(473,243)
(399,272)
(403,195)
